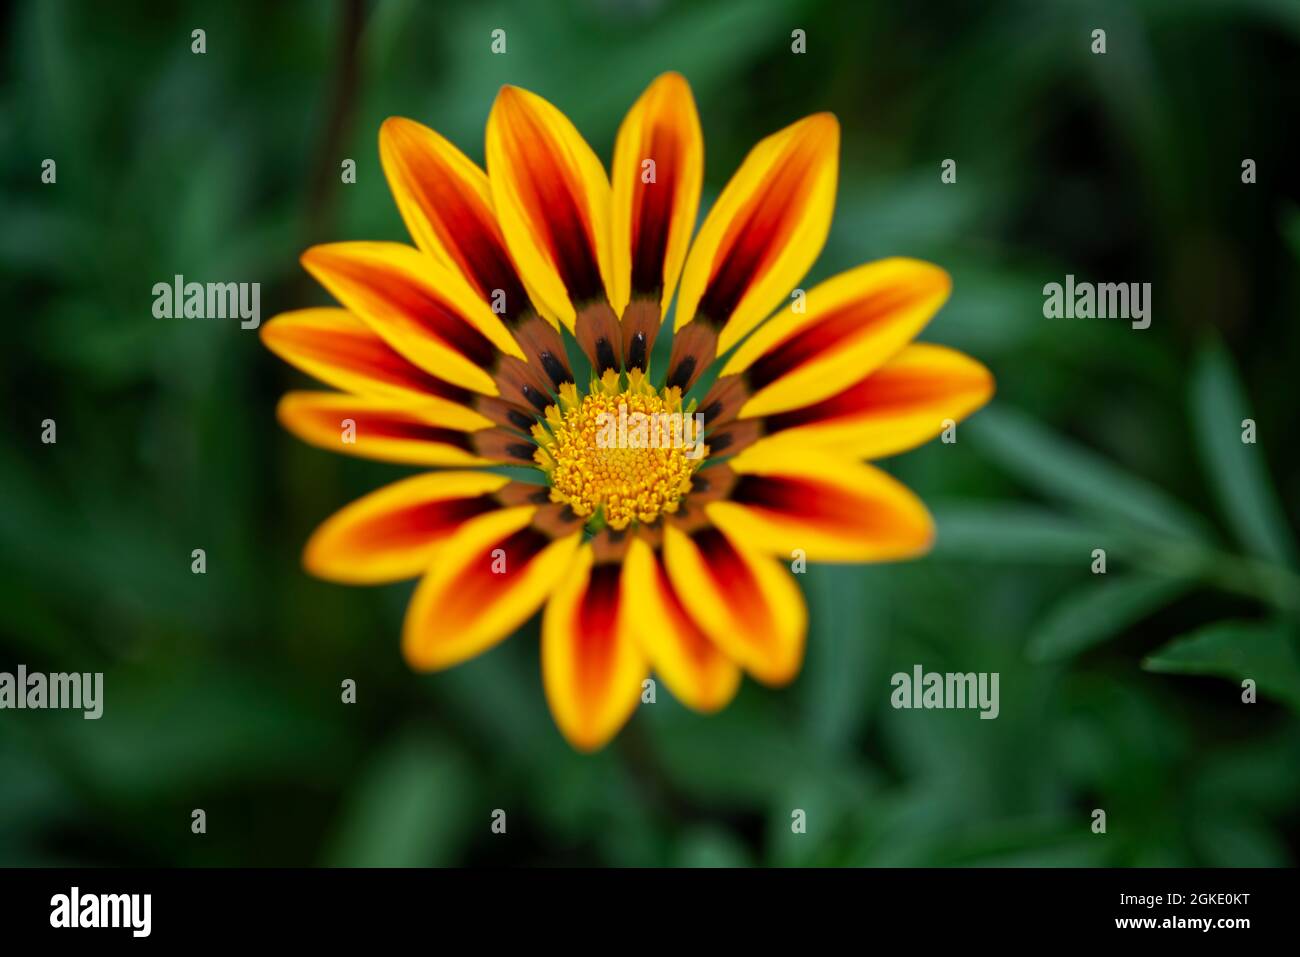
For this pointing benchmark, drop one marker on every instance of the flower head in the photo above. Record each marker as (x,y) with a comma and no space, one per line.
(664,502)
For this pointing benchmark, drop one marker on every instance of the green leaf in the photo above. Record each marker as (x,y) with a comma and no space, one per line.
(710,846)
(1263,651)
(1071,473)
(1236,468)
(841,661)
(411,809)
(1098,612)
(1014,533)
(1226,841)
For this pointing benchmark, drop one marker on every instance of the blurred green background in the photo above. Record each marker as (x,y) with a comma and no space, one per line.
(223,691)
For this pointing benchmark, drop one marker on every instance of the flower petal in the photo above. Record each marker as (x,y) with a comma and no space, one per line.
(787,499)
(505,447)
(394,533)
(424,310)
(490,577)
(551,197)
(765,230)
(446,202)
(339,349)
(656,176)
(748,605)
(852,324)
(903,404)
(592,667)
(435,432)
(696,670)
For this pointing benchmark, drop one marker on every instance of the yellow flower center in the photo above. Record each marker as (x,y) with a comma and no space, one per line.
(625,453)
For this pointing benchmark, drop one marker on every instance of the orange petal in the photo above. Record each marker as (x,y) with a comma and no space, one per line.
(446,202)
(435,432)
(901,405)
(852,324)
(490,577)
(424,310)
(764,232)
(657,173)
(793,502)
(696,670)
(395,532)
(339,349)
(748,605)
(592,668)
(551,197)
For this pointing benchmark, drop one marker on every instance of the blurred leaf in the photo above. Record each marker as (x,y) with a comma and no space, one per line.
(996,310)
(1099,611)
(410,810)
(204,726)
(1282,14)
(840,662)
(1227,841)
(1261,775)
(1099,753)
(903,828)
(1236,468)
(32,794)
(1068,472)
(877,217)
(1263,651)
(1008,532)
(1028,842)
(710,847)
(746,756)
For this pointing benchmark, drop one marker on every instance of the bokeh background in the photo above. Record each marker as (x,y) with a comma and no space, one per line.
(1119,692)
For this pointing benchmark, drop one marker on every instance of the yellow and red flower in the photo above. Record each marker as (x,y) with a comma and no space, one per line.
(452,354)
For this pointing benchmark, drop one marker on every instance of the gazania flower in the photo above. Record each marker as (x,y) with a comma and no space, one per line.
(670,556)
